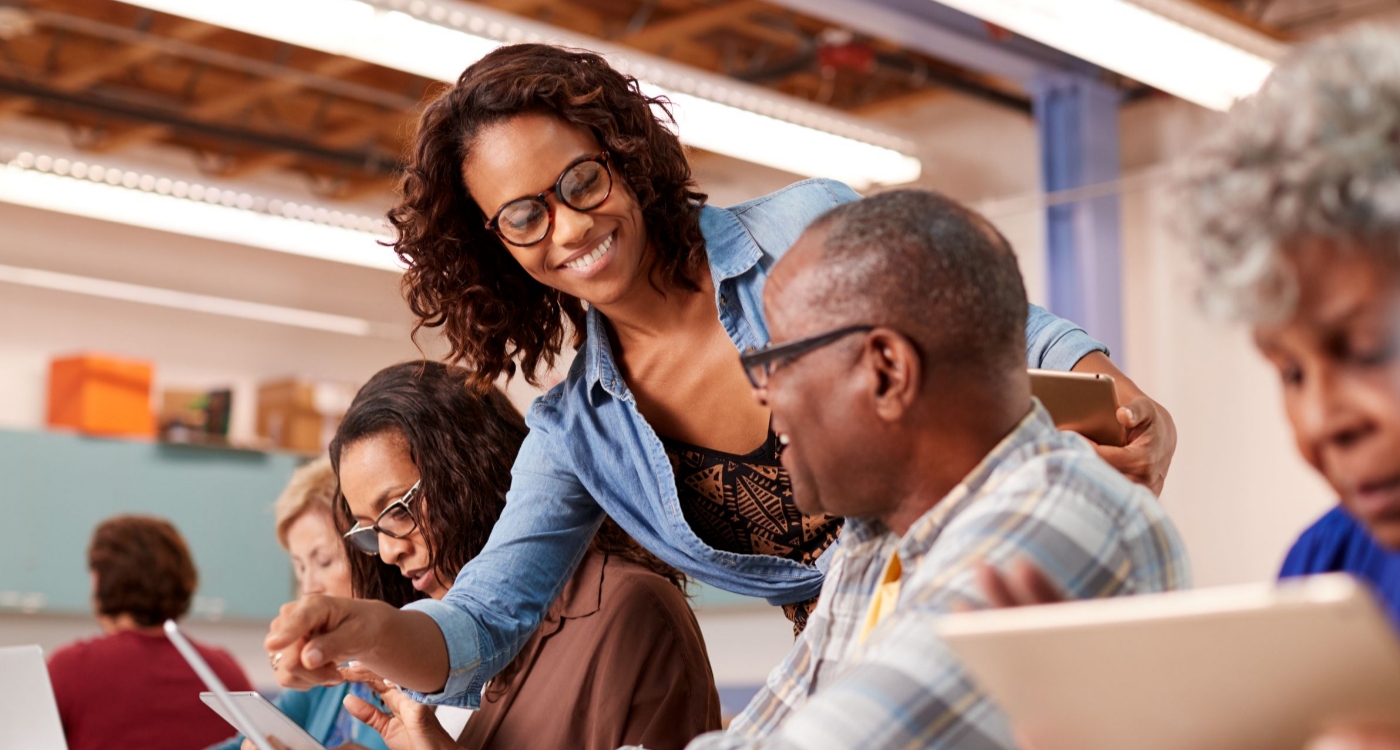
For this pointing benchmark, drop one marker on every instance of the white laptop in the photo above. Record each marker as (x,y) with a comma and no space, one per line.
(28,711)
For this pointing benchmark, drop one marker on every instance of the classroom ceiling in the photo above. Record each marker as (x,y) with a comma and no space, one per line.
(116,76)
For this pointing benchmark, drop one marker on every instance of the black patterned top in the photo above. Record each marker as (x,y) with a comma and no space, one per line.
(744,504)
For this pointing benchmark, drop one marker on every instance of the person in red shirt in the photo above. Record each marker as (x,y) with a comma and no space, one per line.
(129,687)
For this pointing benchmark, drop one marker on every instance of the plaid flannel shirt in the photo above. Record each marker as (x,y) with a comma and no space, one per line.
(1041,495)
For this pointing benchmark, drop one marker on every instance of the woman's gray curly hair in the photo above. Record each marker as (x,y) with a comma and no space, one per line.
(1314,154)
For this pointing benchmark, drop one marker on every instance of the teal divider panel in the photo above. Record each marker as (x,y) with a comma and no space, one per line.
(705,596)
(55,488)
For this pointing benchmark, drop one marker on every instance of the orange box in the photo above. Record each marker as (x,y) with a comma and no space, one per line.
(101,395)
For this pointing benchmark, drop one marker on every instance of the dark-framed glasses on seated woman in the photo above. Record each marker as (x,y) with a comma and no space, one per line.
(582,186)
(759,363)
(397,520)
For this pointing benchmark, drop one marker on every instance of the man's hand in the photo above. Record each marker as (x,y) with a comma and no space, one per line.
(315,633)
(407,726)
(1022,585)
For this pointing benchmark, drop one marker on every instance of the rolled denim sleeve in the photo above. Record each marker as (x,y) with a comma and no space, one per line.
(1053,343)
(501,595)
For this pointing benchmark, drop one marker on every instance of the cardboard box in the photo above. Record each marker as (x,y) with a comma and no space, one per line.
(97,394)
(300,414)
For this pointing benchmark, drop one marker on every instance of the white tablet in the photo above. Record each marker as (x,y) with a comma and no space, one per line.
(268,719)
(1258,667)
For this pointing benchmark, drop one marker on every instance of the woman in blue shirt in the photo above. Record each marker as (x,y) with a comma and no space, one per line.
(547,202)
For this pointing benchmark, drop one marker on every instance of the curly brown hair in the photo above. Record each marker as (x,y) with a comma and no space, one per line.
(460,277)
(143,569)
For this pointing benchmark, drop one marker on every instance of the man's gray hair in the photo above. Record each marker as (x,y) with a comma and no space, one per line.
(1314,154)
(931,268)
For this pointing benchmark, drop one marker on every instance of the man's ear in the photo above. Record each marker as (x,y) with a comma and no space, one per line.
(897,373)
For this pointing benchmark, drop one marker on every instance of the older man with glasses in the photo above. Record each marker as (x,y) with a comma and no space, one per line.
(898,387)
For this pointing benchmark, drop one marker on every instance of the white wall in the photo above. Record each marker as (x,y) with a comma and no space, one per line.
(1238,490)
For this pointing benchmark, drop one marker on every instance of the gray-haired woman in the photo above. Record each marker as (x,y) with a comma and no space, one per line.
(1293,212)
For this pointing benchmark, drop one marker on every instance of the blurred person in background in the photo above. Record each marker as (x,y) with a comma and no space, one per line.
(129,687)
(424,464)
(1293,211)
(305,528)
(547,202)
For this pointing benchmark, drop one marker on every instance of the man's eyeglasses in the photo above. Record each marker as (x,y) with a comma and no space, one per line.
(396,521)
(759,364)
(583,186)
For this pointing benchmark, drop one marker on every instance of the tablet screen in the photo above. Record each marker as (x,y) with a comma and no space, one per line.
(267,718)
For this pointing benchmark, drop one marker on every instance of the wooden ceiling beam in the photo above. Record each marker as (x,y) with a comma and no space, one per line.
(227,104)
(81,78)
(900,103)
(348,135)
(656,35)
(765,33)
(591,23)
(84,76)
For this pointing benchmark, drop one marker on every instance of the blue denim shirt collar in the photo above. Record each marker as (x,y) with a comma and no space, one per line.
(731,252)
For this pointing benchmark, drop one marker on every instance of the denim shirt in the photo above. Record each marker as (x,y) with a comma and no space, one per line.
(589,452)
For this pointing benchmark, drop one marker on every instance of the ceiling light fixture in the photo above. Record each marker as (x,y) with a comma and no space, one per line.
(161,203)
(439,39)
(1172,45)
(201,303)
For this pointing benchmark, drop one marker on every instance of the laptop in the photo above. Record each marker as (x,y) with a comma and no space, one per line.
(28,710)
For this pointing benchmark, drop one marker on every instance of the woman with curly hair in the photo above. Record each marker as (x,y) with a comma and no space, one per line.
(547,202)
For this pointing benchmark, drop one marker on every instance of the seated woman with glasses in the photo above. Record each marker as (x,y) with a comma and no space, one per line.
(424,463)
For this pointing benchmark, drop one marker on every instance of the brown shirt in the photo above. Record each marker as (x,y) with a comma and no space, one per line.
(618,660)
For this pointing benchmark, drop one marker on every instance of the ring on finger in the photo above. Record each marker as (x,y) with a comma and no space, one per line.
(275,659)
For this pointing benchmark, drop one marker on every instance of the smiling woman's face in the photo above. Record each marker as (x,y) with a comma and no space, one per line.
(374,472)
(598,255)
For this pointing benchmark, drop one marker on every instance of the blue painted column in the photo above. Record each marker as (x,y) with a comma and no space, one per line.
(1077,119)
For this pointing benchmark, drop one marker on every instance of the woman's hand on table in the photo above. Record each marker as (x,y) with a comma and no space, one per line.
(1151,432)
(408,725)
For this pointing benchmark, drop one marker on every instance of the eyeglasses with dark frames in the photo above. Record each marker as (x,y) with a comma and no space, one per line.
(397,521)
(582,186)
(759,363)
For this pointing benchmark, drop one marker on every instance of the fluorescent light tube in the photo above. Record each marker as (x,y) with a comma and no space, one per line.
(440,39)
(1172,45)
(202,303)
(137,200)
